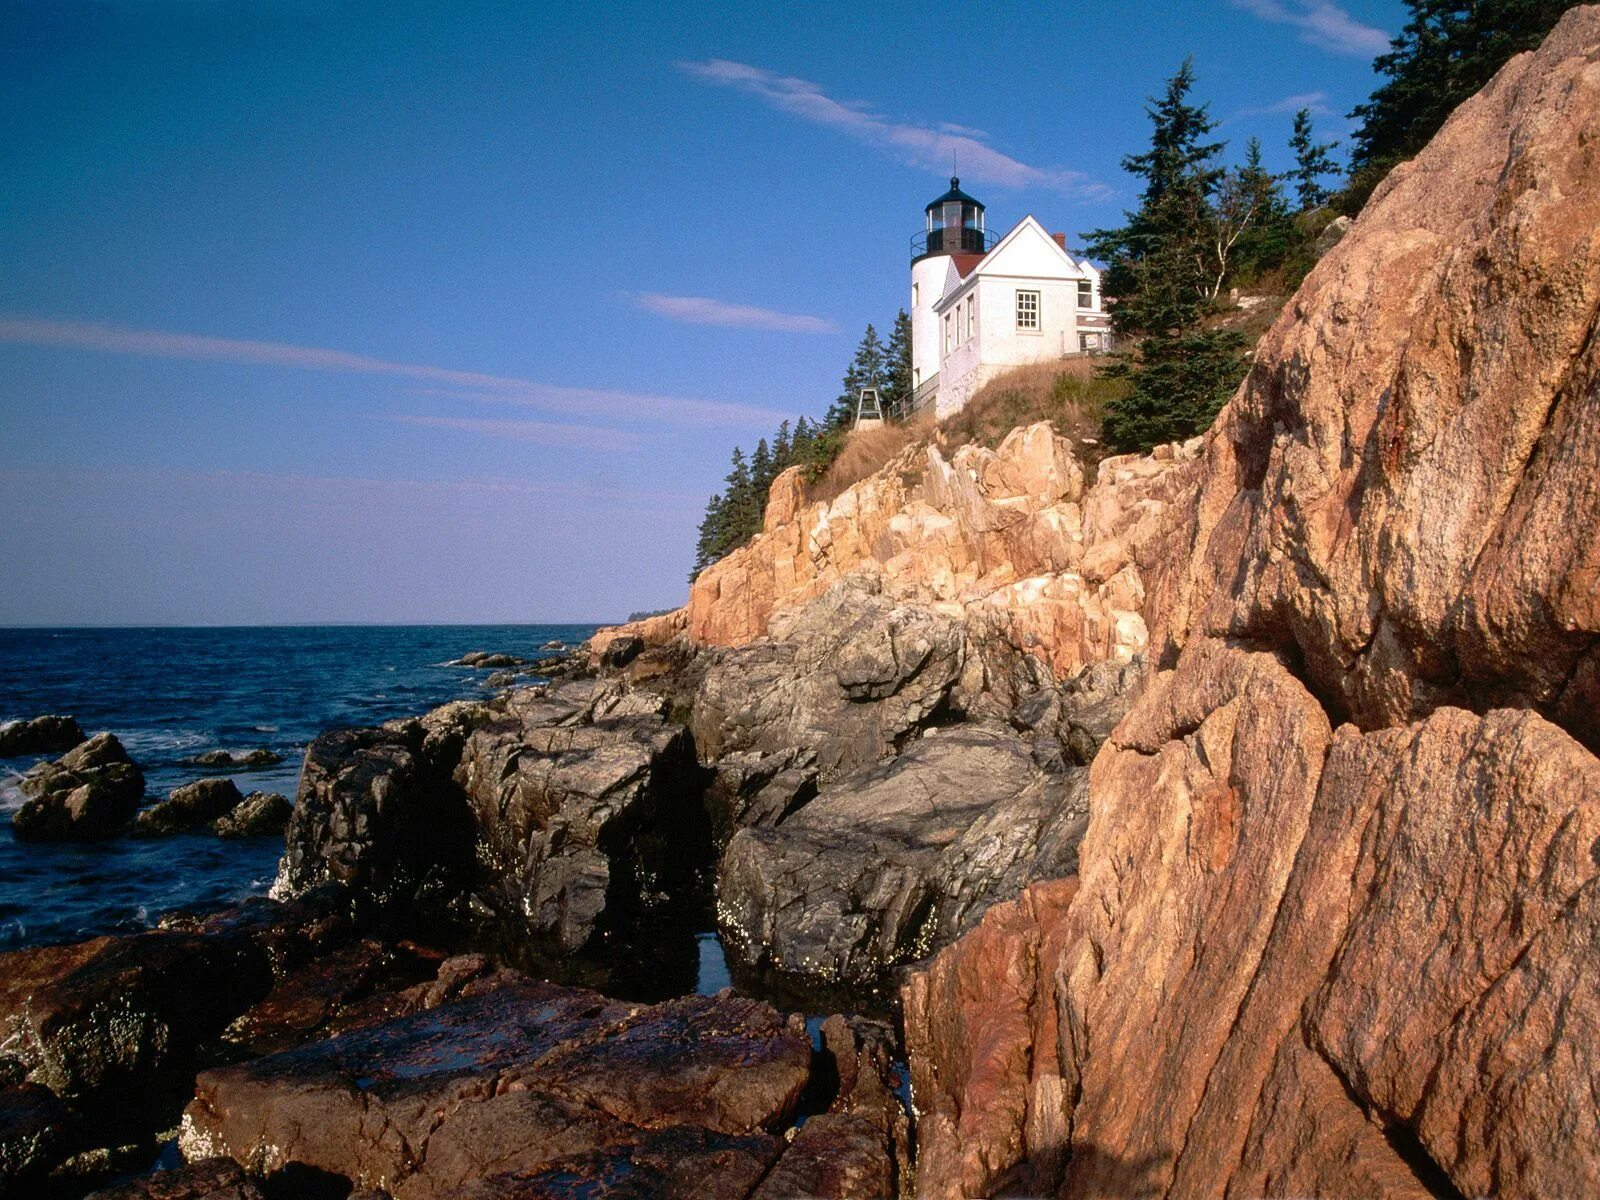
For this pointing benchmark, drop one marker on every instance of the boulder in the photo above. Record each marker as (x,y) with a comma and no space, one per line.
(238,760)
(584,802)
(486,660)
(260,814)
(374,815)
(41,735)
(554,812)
(189,805)
(505,1091)
(878,869)
(620,651)
(90,792)
(850,678)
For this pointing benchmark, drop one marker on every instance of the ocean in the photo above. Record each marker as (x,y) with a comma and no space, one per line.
(170,694)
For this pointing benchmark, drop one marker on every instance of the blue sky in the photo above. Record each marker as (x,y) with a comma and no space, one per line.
(453,312)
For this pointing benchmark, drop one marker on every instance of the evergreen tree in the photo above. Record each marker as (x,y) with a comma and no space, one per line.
(866,370)
(706,550)
(762,472)
(1312,161)
(782,450)
(897,386)
(1166,267)
(742,509)
(1446,52)
(1269,239)
(1155,264)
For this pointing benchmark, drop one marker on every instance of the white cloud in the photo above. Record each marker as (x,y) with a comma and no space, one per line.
(928,146)
(1322,23)
(1315,102)
(470,385)
(538,433)
(702,310)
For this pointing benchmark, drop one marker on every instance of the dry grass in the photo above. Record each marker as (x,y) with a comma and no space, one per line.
(1066,393)
(866,451)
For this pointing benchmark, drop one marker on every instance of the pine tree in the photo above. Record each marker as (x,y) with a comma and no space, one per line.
(762,472)
(866,370)
(707,547)
(1446,52)
(1312,161)
(1271,236)
(1157,265)
(741,508)
(897,386)
(1166,267)
(782,449)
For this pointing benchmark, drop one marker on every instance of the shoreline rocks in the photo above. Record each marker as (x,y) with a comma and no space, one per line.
(89,793)
(238,760)
(40,735)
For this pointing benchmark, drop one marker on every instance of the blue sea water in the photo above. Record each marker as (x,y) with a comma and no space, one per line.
(170,694)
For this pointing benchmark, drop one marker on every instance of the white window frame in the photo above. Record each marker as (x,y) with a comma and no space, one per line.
(948,344)
(914,288)
(1036,325)
(972,316)
(1086,293)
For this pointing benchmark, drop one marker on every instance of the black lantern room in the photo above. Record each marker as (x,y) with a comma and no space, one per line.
(955,226)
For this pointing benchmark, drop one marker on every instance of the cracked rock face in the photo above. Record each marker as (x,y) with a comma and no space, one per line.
(548,810)
(502,1093)
(848,678)
(1309,957)
(891,860)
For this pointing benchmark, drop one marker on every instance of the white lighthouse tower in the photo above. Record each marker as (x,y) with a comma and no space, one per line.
(954,235)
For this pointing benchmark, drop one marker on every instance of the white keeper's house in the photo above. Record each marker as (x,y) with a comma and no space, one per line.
(981,305)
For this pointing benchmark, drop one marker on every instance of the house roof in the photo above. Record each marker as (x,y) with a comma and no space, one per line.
(967,265)
(965,262)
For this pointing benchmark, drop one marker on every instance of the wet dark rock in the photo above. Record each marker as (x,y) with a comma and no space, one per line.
(585,805)
(41,735)
(192,804)
(896,858)
(355,985)
(372,814)
(257,815)
(621,651)
(504,1086)
(211,1179)
(851,678)
(112,1025)
(238,760)
(90,792)
(500,679)
(37,1131)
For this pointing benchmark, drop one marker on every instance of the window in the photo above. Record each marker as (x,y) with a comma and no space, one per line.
(913,295)
(1028,310)
(1085,294)
(948,343)
(1083,343)
(972,316)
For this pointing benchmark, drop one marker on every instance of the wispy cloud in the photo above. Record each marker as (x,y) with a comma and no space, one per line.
(443,381)
(1322,23)
(928,146)
(539,433)
(1315,102)
(702,310)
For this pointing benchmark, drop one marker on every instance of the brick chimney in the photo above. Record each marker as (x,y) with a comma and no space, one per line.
(1059,239)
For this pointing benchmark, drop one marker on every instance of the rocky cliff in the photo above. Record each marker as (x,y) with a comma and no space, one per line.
(1337,900)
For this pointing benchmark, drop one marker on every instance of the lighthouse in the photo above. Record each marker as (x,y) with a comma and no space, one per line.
(953,235)
(982,305)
